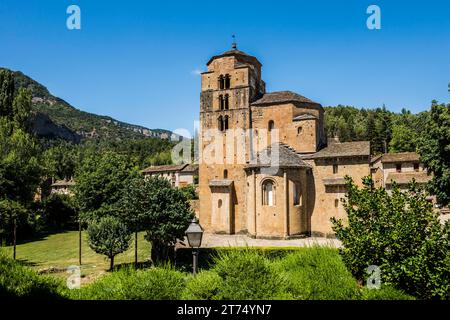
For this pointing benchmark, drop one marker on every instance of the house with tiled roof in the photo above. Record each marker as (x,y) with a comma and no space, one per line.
(179,175)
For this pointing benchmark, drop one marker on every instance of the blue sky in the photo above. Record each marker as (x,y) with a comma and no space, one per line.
(137,60)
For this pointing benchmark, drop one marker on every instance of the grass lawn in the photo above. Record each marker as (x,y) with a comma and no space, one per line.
(61,251)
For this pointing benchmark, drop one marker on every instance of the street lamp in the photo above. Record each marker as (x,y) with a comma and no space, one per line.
(194,234)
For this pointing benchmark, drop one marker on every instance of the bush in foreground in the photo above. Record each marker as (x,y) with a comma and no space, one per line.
(163,283)
(18,281)
(398,232)
(248,274)
(317,273)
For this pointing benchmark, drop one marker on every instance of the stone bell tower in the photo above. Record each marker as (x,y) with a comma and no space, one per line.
(231,84)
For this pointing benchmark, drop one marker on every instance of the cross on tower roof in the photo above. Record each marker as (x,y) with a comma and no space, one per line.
(234,45)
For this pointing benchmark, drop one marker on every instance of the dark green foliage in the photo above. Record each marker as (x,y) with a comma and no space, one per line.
(318,274)
(57,213)
(189,192)
(12,212)
(6,93)
(434,149)
(387,131)
(129,284)
(100,182)
(17,281)
(401,234)
(162,211)
(108,236)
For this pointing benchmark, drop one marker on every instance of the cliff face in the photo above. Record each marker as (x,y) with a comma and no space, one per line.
(42,126)
(55,118)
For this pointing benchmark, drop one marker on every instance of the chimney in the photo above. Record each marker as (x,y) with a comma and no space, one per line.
(332,140)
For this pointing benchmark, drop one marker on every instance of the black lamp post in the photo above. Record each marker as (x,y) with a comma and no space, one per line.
(194,234)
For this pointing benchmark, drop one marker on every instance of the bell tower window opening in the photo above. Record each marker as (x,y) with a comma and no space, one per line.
(221,82)
(271,125)
(227,81)
(221,102)
(226,102)
(220,123)
(225,124)
(225,174)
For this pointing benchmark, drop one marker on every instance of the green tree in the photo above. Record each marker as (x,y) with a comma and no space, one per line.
(6,93)
(400,233)
(20,172)
(12,214)
(22,108)
(162,211)
(100,182)
(108,236)
(403,139)
(434,149)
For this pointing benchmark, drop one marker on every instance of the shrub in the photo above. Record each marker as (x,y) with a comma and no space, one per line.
(385,293)
(204,286)
(18,281)
(400,233)
(248,274)
(162,283)
(317,273)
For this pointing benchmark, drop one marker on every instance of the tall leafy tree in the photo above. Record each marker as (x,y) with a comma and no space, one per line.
(6,93)
(434,149)
(100,182)
(151,204)
(403,139)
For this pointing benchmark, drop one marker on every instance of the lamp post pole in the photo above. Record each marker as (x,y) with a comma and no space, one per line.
(195,261)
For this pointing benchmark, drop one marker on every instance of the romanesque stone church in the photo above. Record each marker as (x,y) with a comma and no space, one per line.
(273,174)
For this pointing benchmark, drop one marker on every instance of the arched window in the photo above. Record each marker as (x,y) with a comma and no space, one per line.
(226,103)
(268,191)
(220,123)
(225,174)
(219,203)
(299,130)
(336,203)
(297,194)
(227,81)
(221,102)
(225,124)
(221,82)
(271,125)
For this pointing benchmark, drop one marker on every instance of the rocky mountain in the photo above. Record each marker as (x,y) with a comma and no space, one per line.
(55,118)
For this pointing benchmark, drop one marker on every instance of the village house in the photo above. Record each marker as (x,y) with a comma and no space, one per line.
(291,184)
(178,175)
(62,187)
